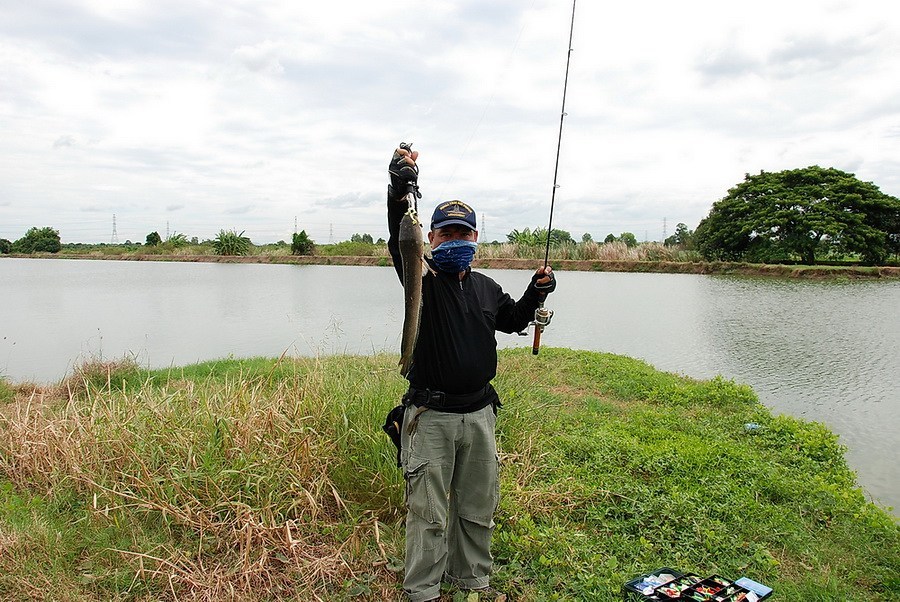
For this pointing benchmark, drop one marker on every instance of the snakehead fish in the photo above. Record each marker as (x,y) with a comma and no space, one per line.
(411,243)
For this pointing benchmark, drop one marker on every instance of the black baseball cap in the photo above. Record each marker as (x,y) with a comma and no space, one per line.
(453,212)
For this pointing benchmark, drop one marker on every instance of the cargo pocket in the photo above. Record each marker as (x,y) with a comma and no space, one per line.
(419,497)
(478,503)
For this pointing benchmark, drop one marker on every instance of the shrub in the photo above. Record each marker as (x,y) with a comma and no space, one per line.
(348,248)
(176,241)
(301,244)
(38,240)
(231,243)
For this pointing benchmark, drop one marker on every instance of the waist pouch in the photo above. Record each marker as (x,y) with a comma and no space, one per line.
(452,402)
(393,422)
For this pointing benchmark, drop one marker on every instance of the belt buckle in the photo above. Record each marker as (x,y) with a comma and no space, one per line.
(438,398)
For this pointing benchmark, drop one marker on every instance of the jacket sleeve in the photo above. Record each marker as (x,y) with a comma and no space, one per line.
(396,208)
(514,316)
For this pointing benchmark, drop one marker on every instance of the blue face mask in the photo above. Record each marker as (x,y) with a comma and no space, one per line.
(454,256)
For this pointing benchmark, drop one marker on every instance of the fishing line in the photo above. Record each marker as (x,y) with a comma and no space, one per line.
(562,117)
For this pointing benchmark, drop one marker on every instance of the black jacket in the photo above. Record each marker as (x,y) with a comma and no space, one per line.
(456,351)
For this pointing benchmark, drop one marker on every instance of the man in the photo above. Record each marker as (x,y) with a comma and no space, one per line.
(448,445)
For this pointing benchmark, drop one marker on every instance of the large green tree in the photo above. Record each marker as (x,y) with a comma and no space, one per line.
(801,213)
(38,240)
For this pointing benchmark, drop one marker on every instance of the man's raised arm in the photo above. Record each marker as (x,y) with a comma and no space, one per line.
(404,174)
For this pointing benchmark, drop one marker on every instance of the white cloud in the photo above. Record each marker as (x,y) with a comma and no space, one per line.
(264,57)
(247,114)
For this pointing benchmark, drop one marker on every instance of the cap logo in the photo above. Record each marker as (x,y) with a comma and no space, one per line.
(455,209)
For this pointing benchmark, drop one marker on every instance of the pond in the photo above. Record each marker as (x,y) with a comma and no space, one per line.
(825,351)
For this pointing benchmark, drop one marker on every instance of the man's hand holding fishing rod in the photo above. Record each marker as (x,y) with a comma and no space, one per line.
(447,444)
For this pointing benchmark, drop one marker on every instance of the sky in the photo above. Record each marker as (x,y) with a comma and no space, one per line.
(262,116)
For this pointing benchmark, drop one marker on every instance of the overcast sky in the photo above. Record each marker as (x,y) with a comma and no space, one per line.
(193,116)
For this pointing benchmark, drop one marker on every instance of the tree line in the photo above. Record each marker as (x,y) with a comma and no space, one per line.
(800,215)
(683,237)
(226,242)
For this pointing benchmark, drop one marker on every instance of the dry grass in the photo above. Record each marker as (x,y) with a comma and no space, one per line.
(588,251)
(236,467)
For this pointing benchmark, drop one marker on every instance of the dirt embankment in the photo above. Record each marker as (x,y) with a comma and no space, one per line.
(273,259)
(661,267)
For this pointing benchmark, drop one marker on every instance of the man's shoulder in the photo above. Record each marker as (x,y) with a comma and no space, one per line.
(483,279)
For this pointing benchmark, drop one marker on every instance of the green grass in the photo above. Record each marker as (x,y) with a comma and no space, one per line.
(7,393)
(267,479)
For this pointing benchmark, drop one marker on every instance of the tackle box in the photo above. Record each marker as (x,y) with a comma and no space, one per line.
(668,585)
(644,587)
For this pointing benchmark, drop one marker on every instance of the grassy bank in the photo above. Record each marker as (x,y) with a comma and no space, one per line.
(271,480)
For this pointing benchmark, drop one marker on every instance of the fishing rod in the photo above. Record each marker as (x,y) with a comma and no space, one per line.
(542,315)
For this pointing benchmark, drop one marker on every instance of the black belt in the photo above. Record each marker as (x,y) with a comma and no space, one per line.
(438,399)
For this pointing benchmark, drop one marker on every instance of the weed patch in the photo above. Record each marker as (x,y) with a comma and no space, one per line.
(7,393)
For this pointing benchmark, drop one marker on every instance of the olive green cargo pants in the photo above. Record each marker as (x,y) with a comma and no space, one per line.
(452,490)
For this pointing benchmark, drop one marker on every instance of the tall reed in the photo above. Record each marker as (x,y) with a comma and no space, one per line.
(588,251)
